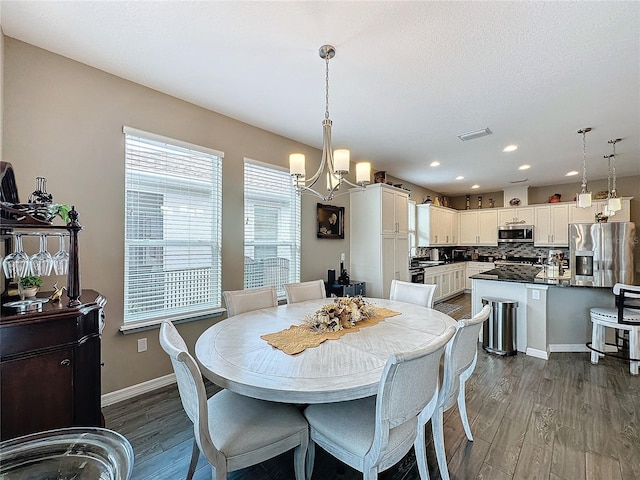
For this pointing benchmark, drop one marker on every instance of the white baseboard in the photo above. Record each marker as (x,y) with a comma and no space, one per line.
(138,389)
(571,347)
(534,352)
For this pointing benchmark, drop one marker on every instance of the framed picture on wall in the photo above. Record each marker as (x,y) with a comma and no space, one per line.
(330,221)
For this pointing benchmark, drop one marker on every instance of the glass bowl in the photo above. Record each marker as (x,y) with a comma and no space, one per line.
(76,453)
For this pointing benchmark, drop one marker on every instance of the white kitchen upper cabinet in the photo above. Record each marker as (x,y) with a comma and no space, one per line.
(488,227)
(468,231)
(478,227)
(551,225)
(517,215)
(436,226)
(588,215)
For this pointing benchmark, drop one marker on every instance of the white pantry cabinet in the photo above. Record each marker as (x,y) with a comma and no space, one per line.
(379,242)
(478,227)
(436,226)
(552,225)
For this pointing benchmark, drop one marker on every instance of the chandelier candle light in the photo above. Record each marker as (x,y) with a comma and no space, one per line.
(335,162)
(613,202)
(584,197)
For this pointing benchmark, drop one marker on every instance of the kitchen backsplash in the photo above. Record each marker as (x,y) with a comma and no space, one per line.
(507,250)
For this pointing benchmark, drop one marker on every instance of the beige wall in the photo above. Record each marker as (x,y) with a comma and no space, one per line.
(63,120)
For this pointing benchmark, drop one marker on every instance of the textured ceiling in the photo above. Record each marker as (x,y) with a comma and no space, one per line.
(407,77)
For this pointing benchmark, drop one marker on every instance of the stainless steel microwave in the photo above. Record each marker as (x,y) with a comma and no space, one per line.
(515,233)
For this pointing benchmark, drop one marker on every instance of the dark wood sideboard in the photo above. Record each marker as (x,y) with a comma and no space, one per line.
(50,366)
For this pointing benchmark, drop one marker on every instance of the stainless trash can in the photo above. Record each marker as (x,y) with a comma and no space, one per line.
(499,331)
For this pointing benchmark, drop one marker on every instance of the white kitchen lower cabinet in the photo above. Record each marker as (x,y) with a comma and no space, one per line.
(448,278)
(473,268)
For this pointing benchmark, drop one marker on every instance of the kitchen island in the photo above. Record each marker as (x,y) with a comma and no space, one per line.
(552,313)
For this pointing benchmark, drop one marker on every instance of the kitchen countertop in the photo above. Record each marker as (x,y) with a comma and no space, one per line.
(528,274)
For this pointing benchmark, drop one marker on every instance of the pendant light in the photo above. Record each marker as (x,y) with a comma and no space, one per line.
(584,198)
(334,164)
(613,202)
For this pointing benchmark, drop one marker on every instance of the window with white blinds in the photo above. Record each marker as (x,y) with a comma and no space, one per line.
(173,228)
(271,227)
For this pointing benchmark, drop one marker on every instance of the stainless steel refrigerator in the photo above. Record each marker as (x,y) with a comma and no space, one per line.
(601,254)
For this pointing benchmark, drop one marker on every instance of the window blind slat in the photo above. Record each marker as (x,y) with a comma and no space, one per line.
(173,259)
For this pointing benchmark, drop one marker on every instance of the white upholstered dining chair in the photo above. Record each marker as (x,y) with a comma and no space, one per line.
(417,293)
(374,433)
(624,317)
(300,292)
(460,357)
(240,301)
(233,431)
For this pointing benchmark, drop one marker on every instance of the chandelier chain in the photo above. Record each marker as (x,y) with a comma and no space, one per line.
(584,159)
(326,86)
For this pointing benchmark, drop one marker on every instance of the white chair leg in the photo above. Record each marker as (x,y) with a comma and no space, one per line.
(311,456)
(597,341)
(437,426)
(421,453)
(462,407)
(634,350)
(299,457)
(219,473)
(195,453)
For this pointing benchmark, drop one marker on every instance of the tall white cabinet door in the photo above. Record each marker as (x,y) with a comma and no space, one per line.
(468,228)
(388,260)
(542,230)
(488,227)
(401,206)
(388,212)
(560,225)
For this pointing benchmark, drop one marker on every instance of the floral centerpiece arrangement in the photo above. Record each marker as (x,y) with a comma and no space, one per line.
(342,313)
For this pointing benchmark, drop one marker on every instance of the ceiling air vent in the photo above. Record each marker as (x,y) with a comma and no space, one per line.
(475,134)
(519,181)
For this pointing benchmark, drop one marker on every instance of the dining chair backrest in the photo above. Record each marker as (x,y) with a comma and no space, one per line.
(240,301)
(416,293)
(190,384)
(402,394)
(300,292)
(460,354)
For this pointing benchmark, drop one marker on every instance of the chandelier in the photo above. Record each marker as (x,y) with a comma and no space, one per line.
(613,202)
(335,163)
(584,197)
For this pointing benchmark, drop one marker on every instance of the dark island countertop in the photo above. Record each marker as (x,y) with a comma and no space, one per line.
(529,274)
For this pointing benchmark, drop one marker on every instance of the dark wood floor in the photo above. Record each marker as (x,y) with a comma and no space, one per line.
(561,419)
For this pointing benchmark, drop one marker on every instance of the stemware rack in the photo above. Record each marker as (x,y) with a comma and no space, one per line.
(10,229)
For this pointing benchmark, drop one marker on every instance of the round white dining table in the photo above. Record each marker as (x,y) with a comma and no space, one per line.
(233,356)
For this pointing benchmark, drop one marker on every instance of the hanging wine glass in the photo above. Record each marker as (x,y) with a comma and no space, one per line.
(61,259)
(16,264)
(41,262)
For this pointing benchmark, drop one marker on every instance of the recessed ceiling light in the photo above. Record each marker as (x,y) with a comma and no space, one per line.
(510,148)
(524,167)
(571,173)
(459,177)
(435,163)
(475,186)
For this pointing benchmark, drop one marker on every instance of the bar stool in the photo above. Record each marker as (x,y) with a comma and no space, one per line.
(625,317)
